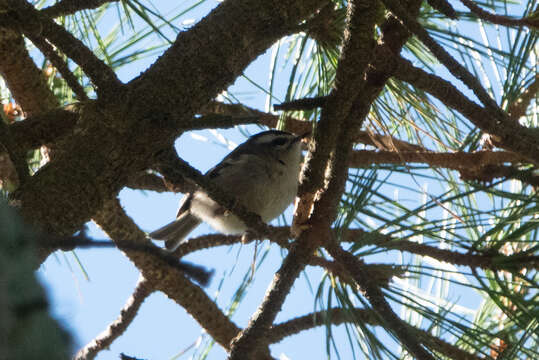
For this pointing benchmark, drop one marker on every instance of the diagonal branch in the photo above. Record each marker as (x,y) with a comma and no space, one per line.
(34,24)
(61,65)
(69,7)
(337,316)
(372,292)
(518,107)
(499,19)
(443,56)
(512,136)
(102,341)
(25,80)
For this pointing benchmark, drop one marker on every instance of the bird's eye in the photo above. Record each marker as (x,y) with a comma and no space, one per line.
(278,142)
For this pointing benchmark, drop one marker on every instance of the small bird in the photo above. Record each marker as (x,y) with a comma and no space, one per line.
(262,174)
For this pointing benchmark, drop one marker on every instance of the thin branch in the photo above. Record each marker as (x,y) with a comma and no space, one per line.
(151,182)
(337,316)
(374,295)
(441,54)
(334,316)
(444,7)
(302,104)
(69,7)
(102,341)
(198,273)
(518,107)
(490,261)
(34,24)
(499,19)
(61,65)
(512,136)
(454,160)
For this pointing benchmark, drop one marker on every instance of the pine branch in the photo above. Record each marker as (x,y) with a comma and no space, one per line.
(454,160)
(69,7)
(61,65)
(442,55)
(499,19)
(512,136)
(34,24)
(337,316)
(25,80)
(128,313)
(374,295)
(487,260)
(44,128)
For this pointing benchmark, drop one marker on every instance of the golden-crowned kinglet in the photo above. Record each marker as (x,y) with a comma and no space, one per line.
(262,173)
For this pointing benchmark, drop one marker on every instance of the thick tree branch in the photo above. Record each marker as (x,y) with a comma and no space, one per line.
(118,326)
(17,157)
(25,80)
(69,7)
(48,127)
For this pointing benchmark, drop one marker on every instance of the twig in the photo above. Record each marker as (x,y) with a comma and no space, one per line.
(374,295)
(198,273)
(102,341)
(443,56)
(59,64)
(490,261)
(302,104)
(498,19)
(334,316)
(69,7)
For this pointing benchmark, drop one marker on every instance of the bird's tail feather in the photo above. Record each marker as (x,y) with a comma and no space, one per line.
(176,231)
